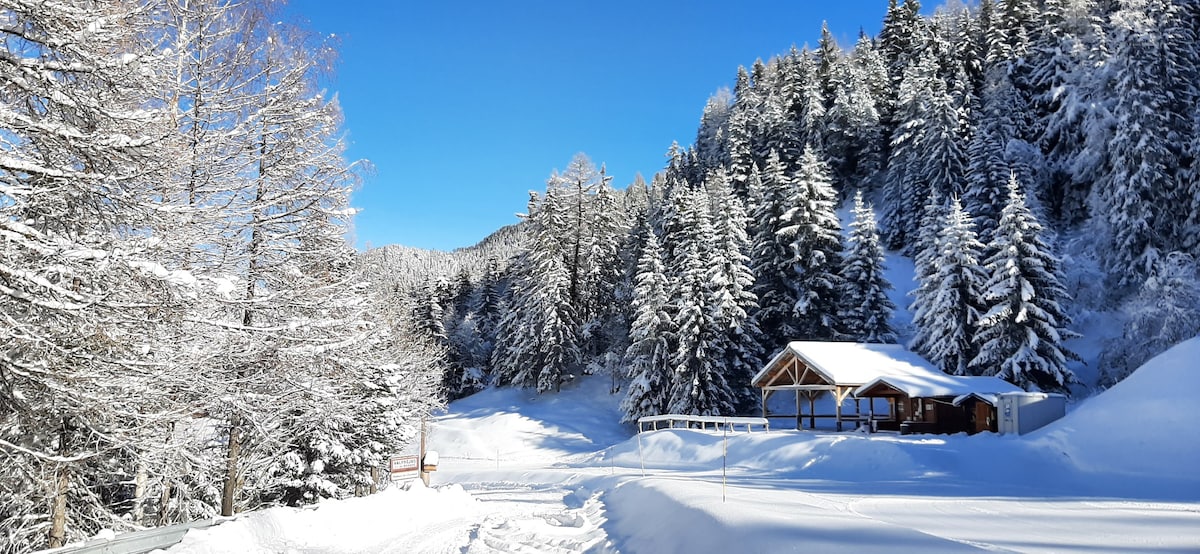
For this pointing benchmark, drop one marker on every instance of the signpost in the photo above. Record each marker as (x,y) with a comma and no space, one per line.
(403,468)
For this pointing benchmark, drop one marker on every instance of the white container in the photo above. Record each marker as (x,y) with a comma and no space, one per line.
(1023,412)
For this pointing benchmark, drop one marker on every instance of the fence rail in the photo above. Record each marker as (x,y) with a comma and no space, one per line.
(139,542)
(730,423)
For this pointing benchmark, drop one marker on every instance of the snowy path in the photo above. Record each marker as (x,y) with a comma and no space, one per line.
(512,517)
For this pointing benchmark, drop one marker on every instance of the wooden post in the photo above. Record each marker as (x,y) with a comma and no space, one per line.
(812,411)
(837,408)
(799,421)
(857,409)
(421,460)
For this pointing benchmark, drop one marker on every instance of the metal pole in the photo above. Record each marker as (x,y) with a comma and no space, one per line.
(724,462)
(641,459)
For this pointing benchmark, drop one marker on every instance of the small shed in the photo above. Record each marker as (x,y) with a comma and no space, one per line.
(1022,412)
(812,368)
(938,403)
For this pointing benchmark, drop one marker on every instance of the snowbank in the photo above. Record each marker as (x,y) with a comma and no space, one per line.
(1143,426)
(352,525)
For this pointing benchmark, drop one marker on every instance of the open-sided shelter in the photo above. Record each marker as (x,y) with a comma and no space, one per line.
(918,394)
(812,368)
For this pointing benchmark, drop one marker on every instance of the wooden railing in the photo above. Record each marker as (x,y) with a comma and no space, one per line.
(717,423)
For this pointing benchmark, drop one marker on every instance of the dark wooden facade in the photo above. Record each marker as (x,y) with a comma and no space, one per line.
(937,414)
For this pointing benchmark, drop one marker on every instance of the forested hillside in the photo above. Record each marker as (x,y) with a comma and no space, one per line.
(1036,159)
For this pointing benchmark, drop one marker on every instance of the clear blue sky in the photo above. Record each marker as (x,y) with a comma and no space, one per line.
(463,106)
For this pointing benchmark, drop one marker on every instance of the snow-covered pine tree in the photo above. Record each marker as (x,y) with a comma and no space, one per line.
(731,282)
(770,256)
(951,302)
(430,317)
(988,169)
(740,137)
(711,135)
(1067,54)
(900,42)
(648,359)
(536,341)
(933,217)
(607,330)
(854,140)
(942,162)
(698,384)
(828,55)
(811,222)
(1021,332)
(1135,199)
(903,186)
(867,311)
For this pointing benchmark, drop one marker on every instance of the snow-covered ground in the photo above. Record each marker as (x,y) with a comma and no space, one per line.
(522,473)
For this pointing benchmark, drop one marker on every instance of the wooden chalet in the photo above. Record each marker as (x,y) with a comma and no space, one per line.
(918,395)
(938,403)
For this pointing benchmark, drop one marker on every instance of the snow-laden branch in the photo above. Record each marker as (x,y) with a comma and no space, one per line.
(48,457)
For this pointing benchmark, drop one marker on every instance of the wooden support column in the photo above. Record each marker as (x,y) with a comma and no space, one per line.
(857,409)
(812,411)
(799,424)
(837,409)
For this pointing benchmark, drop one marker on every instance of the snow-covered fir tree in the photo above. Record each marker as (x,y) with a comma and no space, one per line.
(731,281)
(648,358)
(951,300)
(854,140)
(698,383)
(867,311)
(537,340)
(1021,331)
(811,223)
(904,187)
(1134,197)
(770,254)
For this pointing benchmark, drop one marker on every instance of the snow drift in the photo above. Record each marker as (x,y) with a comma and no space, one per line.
(1143,426)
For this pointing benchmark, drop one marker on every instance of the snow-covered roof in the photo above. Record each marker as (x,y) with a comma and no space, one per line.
(853,363)
(941,384)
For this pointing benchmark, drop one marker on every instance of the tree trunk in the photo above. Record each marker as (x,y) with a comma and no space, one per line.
(139,493)
(58,510)
(231,467)
(164,501)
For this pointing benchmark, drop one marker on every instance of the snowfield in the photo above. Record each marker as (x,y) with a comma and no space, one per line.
(522,473)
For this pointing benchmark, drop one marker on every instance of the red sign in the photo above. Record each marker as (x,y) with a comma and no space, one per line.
(404,467)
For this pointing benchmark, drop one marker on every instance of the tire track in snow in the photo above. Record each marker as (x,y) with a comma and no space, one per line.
(532,520)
